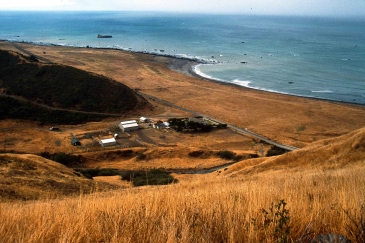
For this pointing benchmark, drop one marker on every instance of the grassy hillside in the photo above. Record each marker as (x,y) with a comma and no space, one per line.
(64,87)
(288,198)
(346,151)
(29,177)
(18,109)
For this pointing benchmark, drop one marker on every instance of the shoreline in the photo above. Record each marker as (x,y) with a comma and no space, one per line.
(185,65)
(287,119)
(188,69)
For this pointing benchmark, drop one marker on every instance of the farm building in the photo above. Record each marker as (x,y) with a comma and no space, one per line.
(108,142)
(128,126)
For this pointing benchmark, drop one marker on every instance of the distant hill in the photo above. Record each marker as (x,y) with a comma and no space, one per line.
(335,153)
(28,177)
(64,87)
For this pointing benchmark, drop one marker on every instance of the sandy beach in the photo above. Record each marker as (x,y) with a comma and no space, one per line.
(291,120)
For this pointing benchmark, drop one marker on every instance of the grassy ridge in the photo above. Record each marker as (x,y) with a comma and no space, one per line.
(64,87)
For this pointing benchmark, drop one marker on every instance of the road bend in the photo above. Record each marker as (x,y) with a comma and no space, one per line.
(233,128)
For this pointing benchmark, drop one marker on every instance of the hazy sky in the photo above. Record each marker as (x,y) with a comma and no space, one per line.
(288,7)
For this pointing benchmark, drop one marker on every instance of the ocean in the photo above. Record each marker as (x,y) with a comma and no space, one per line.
(304,56)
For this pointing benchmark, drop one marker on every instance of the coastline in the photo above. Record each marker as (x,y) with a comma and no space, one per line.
(186,66)
(287,119)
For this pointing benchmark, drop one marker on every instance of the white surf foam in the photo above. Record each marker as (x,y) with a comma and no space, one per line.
(322,91)
(242,83)
(197,70)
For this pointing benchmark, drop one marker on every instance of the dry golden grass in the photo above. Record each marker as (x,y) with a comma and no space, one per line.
(347,151)
(224,206)
(207,210)
(322,184)
(30,177)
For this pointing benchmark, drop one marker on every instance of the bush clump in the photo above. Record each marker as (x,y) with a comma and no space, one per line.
(92,172)
(226,154)
(63,158)
(196,153)
(152,177)
(274,151)
(141,156)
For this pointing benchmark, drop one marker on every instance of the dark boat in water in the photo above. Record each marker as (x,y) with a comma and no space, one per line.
(104,36)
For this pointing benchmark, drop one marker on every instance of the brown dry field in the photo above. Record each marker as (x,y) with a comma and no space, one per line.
(322,184)
(287,119)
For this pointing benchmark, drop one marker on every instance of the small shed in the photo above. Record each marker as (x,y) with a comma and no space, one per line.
(108,142)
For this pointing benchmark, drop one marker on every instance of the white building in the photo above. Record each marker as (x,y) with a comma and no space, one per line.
(108,142)
(128,126)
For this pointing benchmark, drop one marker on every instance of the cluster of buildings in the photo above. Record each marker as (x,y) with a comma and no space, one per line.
(133,125)
(130,126)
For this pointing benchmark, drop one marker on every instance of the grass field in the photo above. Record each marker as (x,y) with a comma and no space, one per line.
(208,210)
(293,197)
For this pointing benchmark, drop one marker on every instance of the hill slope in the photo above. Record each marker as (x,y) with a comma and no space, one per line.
(29,177)
(64,87)
(341,152)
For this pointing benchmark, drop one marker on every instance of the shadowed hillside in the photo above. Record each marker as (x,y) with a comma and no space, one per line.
(64,87)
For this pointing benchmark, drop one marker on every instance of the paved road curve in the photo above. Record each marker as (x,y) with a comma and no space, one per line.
(234,128)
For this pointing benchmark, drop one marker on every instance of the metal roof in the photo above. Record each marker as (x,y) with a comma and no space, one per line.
(128,122)
(108,140)
(130,125)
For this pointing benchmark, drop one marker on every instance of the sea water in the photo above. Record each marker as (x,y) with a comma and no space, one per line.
(304,56)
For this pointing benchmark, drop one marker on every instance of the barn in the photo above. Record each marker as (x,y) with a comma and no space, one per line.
(108,142)
(128,126)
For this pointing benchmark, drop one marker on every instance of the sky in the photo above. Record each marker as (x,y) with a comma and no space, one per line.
(351,8)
